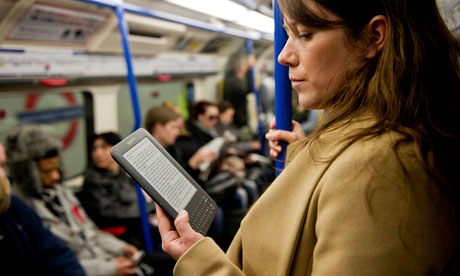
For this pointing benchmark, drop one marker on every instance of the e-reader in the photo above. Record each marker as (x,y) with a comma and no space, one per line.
(162,178)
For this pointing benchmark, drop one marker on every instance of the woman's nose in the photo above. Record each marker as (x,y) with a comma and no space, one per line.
(287,56)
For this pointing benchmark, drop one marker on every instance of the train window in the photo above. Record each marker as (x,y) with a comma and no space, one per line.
(149,95)
(62,113)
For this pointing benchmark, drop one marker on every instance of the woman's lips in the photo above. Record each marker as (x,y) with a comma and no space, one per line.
(295,82)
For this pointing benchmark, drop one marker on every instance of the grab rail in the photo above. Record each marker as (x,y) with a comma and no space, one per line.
(283,105)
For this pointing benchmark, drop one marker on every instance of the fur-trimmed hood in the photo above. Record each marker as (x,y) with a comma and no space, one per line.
(24,146)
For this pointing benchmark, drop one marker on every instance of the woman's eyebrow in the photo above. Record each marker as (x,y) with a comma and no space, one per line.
(287,27)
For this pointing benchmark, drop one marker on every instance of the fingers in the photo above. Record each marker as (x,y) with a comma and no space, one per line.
(130,250)
(204,154)
(282,135)
(273,123)
(177,242)
(274,153)
(123,266)
(153,218)
(275,148)
(274,136)
(185,230)
(209,156)
(164,224)
(182,223)
(297,129)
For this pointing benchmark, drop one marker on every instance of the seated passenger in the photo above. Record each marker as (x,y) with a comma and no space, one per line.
(259,168)
(110,198)
(193,150)
(226,116)
(26,247)
(224,179)
(34,163)
(108,195)
(165,123)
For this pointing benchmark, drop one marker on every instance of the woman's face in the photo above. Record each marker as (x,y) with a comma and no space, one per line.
(318,59)
(210,117)
(101,154)
(167,134)
(226,117)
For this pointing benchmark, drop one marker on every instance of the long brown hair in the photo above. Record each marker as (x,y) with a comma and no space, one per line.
(412,86)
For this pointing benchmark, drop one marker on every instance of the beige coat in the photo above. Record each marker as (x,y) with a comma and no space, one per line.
(357,215)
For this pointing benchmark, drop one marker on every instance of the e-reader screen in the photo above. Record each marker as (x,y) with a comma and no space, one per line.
(155,168)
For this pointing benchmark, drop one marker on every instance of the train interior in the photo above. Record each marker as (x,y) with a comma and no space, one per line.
(63,64)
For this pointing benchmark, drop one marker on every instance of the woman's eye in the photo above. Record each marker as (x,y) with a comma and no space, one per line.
(305,36)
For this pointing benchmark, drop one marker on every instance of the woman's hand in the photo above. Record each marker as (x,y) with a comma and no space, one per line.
(203,154)
(176,241)
(275,136)
(130,250)
(124,266)
(153,218)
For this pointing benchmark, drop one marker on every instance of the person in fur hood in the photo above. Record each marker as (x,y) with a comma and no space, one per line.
(34,164)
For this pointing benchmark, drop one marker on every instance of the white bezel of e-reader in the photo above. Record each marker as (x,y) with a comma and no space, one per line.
(199,220)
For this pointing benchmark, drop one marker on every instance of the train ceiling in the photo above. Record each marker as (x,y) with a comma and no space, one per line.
(71,37)
(87,27)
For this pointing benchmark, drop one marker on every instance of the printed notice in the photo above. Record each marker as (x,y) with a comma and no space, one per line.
(51,23)
(161,174)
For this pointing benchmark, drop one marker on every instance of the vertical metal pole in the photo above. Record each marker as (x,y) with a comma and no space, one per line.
(250,50)
(190,93)
(129,66)
(137,121)
(283,107)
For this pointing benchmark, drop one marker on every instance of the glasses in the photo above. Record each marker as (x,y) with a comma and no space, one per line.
(213,117)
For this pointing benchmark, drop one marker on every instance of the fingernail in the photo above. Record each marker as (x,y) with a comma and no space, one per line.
(183,213)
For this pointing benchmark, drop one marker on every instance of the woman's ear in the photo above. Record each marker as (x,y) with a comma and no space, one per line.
(378,30)
(157,128)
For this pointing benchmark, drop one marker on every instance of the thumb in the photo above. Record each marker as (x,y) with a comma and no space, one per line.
(185,231)
(182,224)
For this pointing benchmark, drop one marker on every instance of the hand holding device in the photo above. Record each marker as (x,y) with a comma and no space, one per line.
(179,238)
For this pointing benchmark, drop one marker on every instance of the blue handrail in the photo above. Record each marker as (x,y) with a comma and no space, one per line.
(283,106)
(146,231)
(129,66)
(250,51)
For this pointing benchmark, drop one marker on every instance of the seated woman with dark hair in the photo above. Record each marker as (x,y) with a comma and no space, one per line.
(110,198)
(108,195)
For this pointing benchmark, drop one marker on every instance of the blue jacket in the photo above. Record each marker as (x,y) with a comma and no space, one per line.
(28,248)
